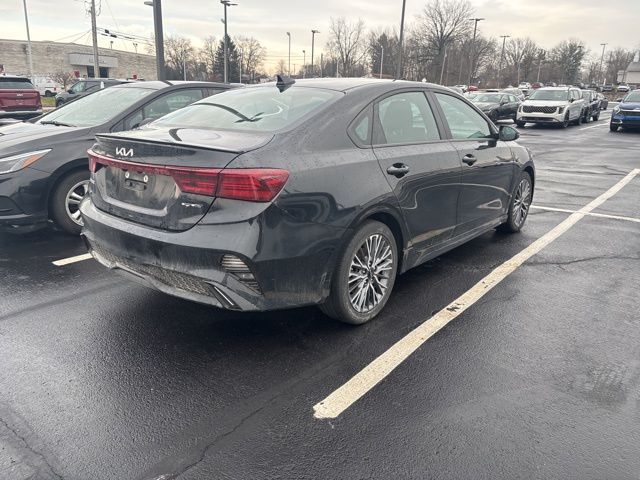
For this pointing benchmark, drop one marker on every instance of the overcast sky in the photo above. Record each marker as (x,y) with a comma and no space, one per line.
(546,21)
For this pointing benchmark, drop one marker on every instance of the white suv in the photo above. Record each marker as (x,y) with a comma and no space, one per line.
(559,105)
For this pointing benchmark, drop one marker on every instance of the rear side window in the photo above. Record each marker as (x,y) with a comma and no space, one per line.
(464,122)
(406,118)
(16,83)
(360,129)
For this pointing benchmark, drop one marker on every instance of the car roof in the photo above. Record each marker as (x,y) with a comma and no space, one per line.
(160,85)
(16,77)
(346,84)
(556,88)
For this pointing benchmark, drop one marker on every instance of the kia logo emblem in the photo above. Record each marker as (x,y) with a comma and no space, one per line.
(124,152)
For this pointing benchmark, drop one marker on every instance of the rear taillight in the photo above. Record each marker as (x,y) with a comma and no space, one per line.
(250,184)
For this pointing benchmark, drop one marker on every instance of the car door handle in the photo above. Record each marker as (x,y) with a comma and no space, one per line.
(398,170)
(469,159)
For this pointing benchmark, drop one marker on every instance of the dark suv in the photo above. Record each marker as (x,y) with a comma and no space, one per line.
(85,86)
(19,99)
(591,106)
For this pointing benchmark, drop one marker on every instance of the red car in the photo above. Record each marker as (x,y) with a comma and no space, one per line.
(472,88)
(19,99)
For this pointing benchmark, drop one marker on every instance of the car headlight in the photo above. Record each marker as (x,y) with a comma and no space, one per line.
(560,109)
(616,109)
(20,161)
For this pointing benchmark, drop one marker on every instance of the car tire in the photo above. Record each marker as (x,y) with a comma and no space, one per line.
(596,117)
(586,118)
(64,204)
(520,124)
(519,205)
(565,123)
(59,103)
(355,287)
(614,128)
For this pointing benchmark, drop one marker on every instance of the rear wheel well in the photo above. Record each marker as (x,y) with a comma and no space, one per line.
(393,224)
(529,170)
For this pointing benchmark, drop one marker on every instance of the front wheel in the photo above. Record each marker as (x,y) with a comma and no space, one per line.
(519,205)
(596,117)
(364,276)
(520,124)
(65,201)
(613,128)
(59,103)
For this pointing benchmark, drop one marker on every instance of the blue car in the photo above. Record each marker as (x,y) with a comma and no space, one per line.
(627,113)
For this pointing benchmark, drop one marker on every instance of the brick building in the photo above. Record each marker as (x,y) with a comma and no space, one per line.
(52,57)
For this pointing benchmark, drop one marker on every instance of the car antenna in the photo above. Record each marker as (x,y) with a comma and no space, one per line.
(283,82)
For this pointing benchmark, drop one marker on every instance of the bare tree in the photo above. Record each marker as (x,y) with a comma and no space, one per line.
(348,44)
(207,54)
(567,59)
(252,55)
(63,77)
(383,52)
(178,53)
(521,56)
(442,23)
(281,67)
(618,59)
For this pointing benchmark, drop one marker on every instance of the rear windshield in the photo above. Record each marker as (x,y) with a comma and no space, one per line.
(488,98)
(557,95)
(258,109)
(16,83)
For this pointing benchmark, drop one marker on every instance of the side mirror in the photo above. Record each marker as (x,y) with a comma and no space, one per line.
(571,100)
(508,134)
(618,99)
(69,91)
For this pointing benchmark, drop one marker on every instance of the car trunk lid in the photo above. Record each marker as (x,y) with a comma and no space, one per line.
(19,100)
(167,179)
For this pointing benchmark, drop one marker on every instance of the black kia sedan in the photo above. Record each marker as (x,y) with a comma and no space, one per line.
(498,106)
(316,191)
(43,163)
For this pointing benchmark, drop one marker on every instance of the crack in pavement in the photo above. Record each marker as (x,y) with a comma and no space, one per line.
(561,263)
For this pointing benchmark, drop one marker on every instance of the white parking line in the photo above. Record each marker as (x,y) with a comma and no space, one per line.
(67,261)
(594,126)
(591,214)
(346,395)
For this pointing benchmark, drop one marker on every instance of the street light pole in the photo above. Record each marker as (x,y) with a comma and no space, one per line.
(504,41)
(473,46)
(26,21)
(444,60)
(226,3)
(159,37)
(313,35)
(540,57)
(289,35)
(400,42)
(604,45)
(381,59)
(304,63)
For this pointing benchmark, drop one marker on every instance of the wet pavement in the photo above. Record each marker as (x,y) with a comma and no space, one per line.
(103,379)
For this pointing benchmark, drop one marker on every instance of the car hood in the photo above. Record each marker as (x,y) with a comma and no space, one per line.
(21,137)
(486,105)
(224,140)
(630,105)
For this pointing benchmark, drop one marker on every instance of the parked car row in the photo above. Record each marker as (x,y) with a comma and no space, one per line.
(272,196)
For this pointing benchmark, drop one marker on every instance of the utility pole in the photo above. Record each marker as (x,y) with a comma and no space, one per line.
(381,59)
(400,43)
(541,55)
(241,59)
(321,66)
(184,67)
(504,41)
(604,45)
(226,3)
(94,34)
(473,46)
(444,60)
(304,63)
(26,21)
(159,37)
(313,35)
(289,35)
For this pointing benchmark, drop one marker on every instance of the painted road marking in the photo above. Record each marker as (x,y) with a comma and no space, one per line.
(591,214)
(346,395)
(67,261)
(594,126)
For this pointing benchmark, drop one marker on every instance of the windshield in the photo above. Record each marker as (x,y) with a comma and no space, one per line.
(556,95)
(16,83)
(98,107)
(632,97)
(487,98)
(259,109)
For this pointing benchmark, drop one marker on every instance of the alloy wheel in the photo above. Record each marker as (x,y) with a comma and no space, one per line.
(73,198)
(370,273)
(521,202)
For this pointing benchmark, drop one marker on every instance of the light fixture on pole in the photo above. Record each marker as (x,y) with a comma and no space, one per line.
(304,63)
(313,34)
(473,46)
(289,68)
(381,59)
(226,3)
(604,45)
(26,21)
(159,37)
(504,41)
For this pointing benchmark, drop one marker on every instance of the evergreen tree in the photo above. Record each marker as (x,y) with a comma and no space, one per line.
(234,61)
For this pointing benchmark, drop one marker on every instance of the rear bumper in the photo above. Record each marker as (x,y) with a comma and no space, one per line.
(20,114)
(188,264)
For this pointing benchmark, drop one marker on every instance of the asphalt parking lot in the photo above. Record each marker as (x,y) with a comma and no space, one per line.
(537,377)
